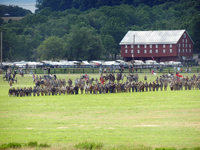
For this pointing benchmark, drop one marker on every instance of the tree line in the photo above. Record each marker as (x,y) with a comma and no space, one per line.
(93,34)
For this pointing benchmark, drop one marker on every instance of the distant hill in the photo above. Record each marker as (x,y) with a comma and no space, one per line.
(83,5)
(13,11)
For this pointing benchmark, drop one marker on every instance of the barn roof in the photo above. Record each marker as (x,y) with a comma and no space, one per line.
(153,37)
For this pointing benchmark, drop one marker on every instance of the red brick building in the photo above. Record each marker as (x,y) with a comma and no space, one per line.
(166,45)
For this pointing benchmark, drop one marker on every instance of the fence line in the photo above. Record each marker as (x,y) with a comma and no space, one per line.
(96,70)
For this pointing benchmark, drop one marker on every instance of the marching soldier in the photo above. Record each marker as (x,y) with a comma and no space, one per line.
(87,88)
(136,85)
(146,86)
(38,91)
(161,86)
(13,92)
(157,86)
(165,85)
(150,86)
(10,92)
(42,91)
(189,85)
(81,88)
(185,85)
(34,91)
(17,92)
(154,86)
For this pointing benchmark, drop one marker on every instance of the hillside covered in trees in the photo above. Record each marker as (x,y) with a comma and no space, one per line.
(13,11)
(92,28)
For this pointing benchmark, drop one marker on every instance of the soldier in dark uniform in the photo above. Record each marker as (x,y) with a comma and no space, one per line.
(10,92)
(30,91)
(13,92)
(171,85)
(53,90)
(146,86)
(38,91)
(185,85)
(145,77)
(154,86)
(132,86)
(76,88)
(24,91)
(17,92)
(157,86)
(21,92)
(122,87)
(27,91)
(91,88)
(34,91)
(161,86)
(136,85)
(150,86)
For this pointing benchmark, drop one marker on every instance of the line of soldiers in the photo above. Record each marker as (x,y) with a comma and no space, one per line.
(54,86)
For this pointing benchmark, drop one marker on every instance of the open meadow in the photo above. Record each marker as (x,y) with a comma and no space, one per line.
(142,120)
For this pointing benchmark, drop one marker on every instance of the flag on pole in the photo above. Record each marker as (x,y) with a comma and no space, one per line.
(152,72)
(102,80)
(179,75)
(86,76)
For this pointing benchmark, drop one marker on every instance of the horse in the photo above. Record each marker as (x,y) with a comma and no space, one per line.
(120,77)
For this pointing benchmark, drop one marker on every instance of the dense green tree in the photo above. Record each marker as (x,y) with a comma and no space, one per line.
(83,43)
(51,48)
(95,32)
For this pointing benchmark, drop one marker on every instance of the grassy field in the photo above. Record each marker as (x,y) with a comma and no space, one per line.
(143,120)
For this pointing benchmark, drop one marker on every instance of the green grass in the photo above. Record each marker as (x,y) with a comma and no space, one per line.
(145,120)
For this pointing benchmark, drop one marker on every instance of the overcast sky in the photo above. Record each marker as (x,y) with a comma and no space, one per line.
(27,4)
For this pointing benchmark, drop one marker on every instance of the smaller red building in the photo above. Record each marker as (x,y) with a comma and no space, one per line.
(166,45)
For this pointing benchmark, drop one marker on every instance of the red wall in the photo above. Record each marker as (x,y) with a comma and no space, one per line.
(165,56)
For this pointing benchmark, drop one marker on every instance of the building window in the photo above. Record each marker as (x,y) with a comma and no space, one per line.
(183,45)
(179,50)
(138,51)
(132,51)
(138,46)
(125,46)
(186,40)
(186,50)
(163,50)
(126,51)
(156,46)
(131,46)
(156,51)
(150,46)
(189,45)
(184,35)
(170,45)
(150,51)
(145,51)
(145,46)
(183,50)
(179,45)
(163,45)
(183,40)
(170,50)
(189,50)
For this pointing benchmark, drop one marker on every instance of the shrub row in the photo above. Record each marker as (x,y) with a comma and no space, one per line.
(19,145)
